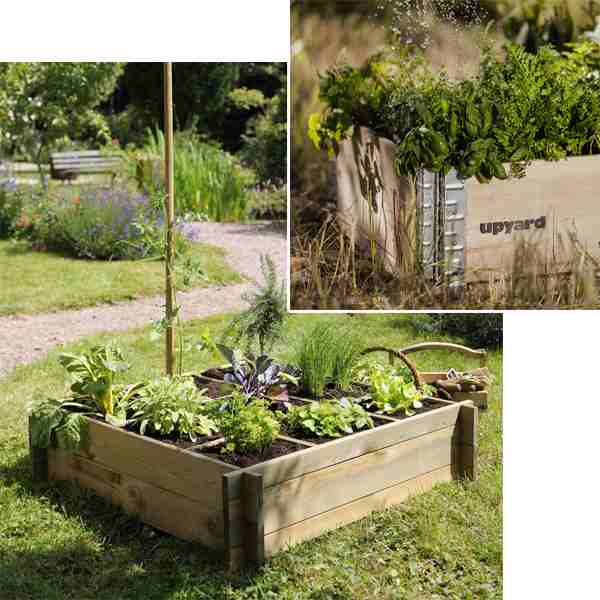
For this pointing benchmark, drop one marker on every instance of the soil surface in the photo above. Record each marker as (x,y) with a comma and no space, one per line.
(278,448)
(25,338)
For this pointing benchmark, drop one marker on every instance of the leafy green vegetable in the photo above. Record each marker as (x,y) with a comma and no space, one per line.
(328,418)
(93,377)
(54,422)
(246,426)
(392,393)
(256,378)
(172,406)
(525,107)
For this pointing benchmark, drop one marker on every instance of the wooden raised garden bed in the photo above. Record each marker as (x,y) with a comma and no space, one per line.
(251,513)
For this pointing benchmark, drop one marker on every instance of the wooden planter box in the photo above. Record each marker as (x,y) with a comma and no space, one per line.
(251,513)
(554,201)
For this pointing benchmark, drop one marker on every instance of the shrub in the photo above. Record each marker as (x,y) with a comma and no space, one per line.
(247,427)
(100,224)
(209,182)
(171,407)
(11,203)
(268,202)
(265,144)
(480,330)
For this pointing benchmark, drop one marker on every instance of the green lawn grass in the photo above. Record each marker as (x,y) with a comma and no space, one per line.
(58,542)
(32,282)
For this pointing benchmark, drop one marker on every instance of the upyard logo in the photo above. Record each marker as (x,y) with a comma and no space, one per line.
(509,226)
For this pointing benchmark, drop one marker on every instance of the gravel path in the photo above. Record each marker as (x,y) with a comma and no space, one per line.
(24,338)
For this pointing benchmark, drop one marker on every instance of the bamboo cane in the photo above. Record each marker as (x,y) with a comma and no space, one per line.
(169,218)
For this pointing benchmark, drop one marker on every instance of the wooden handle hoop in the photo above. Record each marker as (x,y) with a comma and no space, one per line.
(397,354)
(481,354)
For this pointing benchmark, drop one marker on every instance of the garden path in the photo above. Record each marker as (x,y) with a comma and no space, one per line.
(24,338)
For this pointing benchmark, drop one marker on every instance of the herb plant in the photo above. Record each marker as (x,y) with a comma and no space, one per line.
(328,418)
(261,324)
(172,407)
(327,354)
(248,427)
(526,107)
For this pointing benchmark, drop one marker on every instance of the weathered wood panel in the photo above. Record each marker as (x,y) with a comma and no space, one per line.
(178,515)
(185,473)
(352,511)
(302,497)
(541,208)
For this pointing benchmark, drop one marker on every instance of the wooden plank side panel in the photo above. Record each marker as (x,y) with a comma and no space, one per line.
(165,466)
(39,460)
(347,513)
(178,515)
(345,449)
(479,399)
(317,492)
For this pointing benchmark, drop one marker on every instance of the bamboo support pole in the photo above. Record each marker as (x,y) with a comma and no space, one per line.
(169,218)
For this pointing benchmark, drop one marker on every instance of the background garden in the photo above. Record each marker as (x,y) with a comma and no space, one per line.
(482,87)
(230,166)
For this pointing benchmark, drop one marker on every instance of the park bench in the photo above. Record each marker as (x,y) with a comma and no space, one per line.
(68,165)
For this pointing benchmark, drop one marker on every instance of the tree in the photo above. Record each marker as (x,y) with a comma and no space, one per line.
(200,92)
(45,105)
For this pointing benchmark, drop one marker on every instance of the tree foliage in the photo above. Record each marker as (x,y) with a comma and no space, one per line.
(47,105)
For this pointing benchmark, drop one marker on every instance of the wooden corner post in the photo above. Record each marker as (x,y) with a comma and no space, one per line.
(467,445)
(39,461)
(169,218)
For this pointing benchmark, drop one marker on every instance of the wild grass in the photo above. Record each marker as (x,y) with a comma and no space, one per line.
(60,542)
(327,273)
(33,282)
(208,181)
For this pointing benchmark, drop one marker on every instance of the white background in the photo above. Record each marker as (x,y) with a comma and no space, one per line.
(551,359)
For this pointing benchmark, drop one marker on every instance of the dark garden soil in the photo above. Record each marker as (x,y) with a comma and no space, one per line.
(278,448)
(429,404)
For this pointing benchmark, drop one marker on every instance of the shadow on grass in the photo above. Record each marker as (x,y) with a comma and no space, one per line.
(92,549)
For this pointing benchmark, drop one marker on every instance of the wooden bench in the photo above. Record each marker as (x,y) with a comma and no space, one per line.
(68,165)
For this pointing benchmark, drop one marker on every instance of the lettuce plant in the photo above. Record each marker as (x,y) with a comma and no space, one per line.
(391,393)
